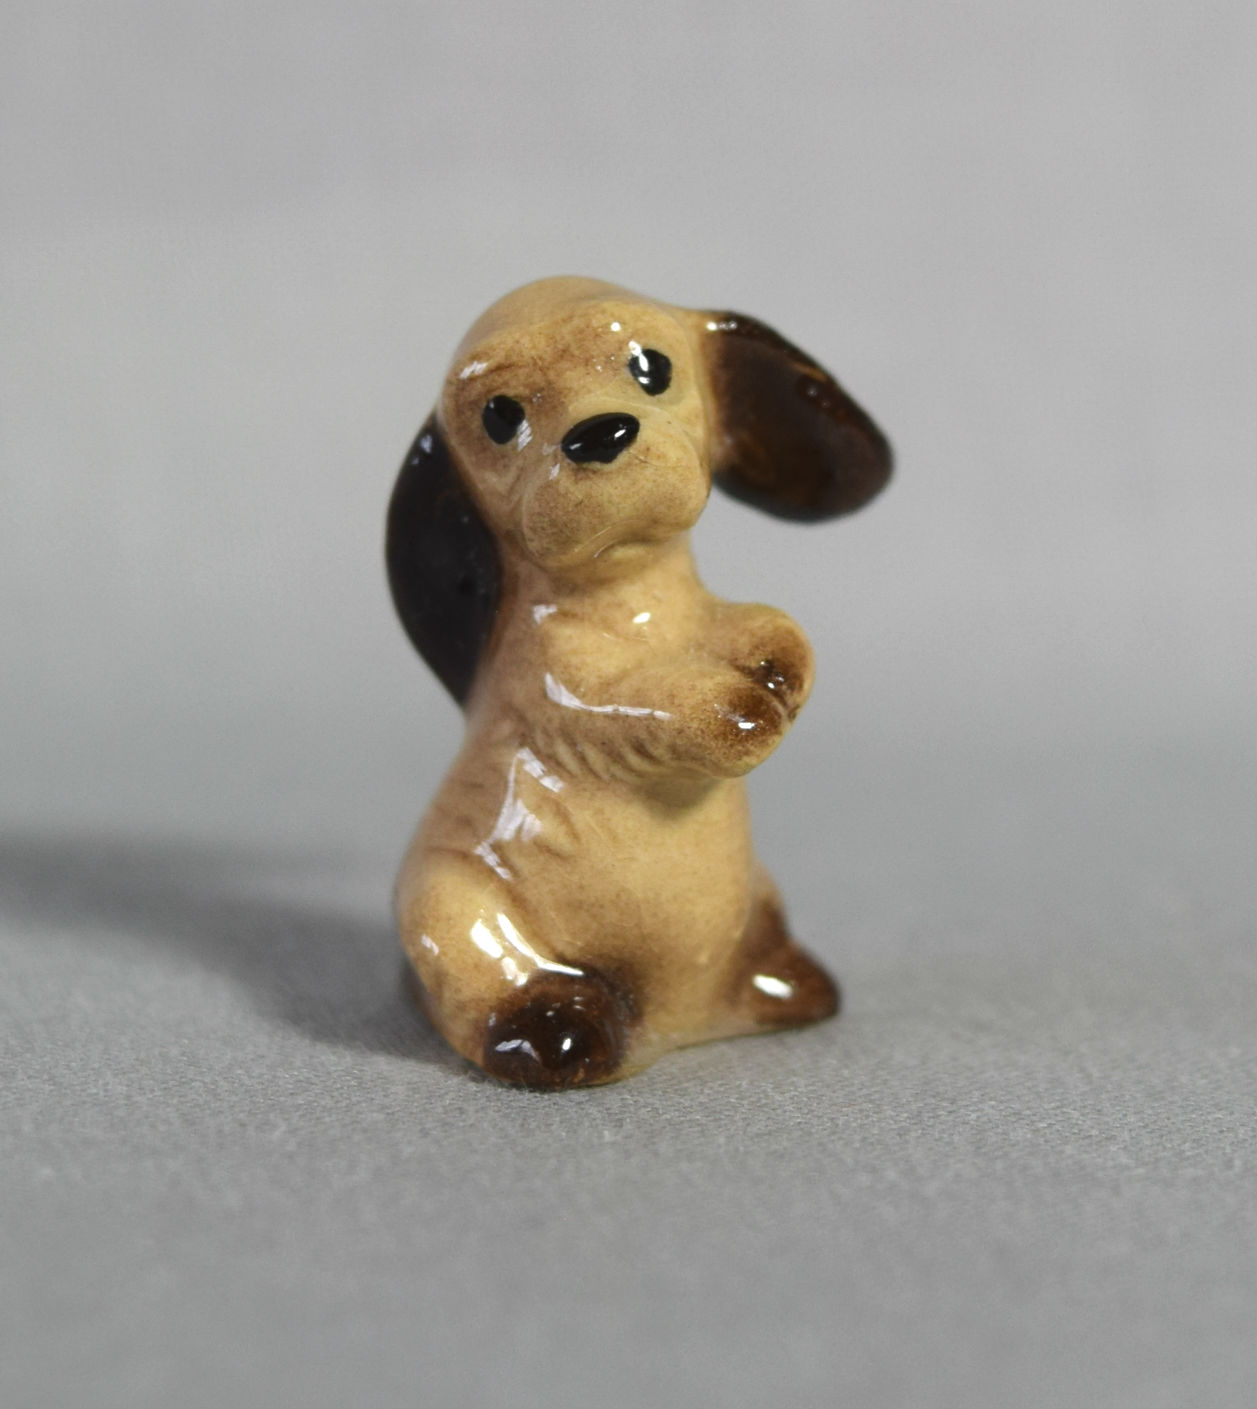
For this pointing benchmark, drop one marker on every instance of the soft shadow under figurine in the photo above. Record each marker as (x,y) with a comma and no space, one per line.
(582,895)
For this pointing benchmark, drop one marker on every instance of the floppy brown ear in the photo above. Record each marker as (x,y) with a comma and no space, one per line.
(786,437)
(443,566)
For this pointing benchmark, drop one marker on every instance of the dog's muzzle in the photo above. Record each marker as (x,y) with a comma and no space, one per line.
(600,438)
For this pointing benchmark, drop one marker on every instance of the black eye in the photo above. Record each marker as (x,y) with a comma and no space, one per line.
(502,417)
(651,369)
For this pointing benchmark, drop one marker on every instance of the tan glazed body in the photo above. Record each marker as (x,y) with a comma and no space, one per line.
(582,895)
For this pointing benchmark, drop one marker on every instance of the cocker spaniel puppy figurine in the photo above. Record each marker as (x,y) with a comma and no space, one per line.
(582,895)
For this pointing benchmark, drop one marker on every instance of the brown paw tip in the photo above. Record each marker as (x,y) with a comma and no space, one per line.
(557,1037)
(751,715)
(796,990)
(779,681)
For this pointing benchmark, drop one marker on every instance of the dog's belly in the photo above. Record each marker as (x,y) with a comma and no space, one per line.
(608,875)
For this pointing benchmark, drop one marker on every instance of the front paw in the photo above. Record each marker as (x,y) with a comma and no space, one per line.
(770,649)
(733,729)
(758,711)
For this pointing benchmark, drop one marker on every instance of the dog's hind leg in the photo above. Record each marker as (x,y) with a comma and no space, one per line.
(499,994)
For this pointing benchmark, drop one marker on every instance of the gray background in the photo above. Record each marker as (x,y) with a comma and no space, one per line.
(1017,818)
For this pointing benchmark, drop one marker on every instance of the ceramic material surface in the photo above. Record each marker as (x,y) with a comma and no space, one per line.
(583,895)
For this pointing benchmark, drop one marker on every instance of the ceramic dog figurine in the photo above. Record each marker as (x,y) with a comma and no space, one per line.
(582,895)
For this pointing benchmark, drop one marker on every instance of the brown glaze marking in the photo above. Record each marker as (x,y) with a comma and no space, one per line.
(583,894)
(778,983)
(785,672)
(558,1032)
(794,443)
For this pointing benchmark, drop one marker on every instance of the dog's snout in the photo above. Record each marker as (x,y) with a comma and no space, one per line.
(600,438)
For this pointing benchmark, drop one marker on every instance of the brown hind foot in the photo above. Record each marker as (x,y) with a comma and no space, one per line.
(557,1032)
(780,984)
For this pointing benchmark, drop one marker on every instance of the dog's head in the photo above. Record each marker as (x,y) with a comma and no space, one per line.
(581,425)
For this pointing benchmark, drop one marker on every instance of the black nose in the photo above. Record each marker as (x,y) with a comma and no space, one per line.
(600,438)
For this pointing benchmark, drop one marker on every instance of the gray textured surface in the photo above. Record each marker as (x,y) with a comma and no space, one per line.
(1017,817)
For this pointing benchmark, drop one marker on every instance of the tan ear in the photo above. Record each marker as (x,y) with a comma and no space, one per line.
(786,437)
(443,566)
